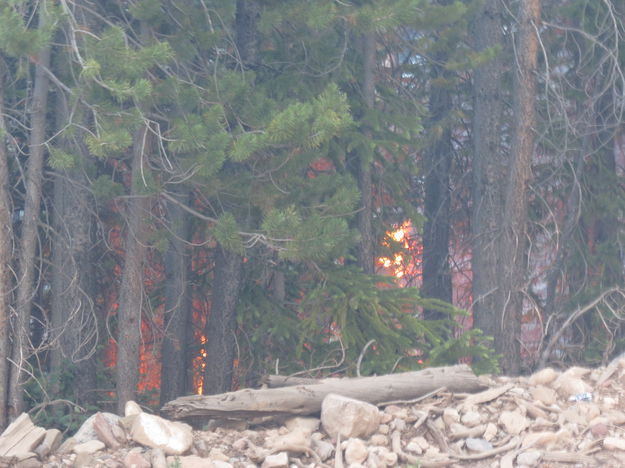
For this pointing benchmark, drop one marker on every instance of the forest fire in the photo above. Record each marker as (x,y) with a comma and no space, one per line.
(404,265)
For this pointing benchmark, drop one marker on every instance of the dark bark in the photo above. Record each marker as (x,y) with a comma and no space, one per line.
(174,356)
(6,254)
(222,322)
(27,259)
(437,167)
(246,26)
(366,247)
(74,322)
(131,288)
(489,166)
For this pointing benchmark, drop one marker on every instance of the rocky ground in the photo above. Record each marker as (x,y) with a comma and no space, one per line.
(550,419)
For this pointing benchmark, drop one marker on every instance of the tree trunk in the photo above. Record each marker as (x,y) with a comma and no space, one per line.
(74,321)
(177,306)
(6,254)
(28,243)
(222,322)
(437,167)
(489,166)
(366,249)
(513,246)
(131,289)
(306,399)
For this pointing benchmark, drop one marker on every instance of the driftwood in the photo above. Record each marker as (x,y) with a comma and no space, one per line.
(306,399)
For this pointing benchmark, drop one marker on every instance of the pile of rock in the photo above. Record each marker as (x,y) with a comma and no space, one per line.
(550,419)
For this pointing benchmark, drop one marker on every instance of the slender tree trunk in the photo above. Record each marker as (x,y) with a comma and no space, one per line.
(366,250)
(6,254)
(437,167)
(513,247)
(489,166)
(177,306)
(228,270)
(222,322)
(28,243)
(74,322)
(131,289)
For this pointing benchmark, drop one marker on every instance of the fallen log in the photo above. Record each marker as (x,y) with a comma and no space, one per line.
(306,399)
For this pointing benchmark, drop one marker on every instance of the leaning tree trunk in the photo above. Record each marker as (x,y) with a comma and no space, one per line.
(131,289)
(28,243)
(489,166)
(177,305)
(6,254)
(74,322)
(513,245)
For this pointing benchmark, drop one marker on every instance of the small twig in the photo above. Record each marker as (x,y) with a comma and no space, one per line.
(362,353)
(414,400)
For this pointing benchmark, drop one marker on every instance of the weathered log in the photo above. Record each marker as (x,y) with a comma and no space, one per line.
(275,381)
(306,399)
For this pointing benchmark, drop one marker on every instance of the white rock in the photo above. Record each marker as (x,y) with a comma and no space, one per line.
(513,422)
(174,438)
(91,446)
(379,439)
(543,377)
(544,394)
(471,418)
(450,416)
(490,432)
(348,417)
(323,448)
(87,431)
(221,464)
(568,385)
(478,445)
(414,448)
(308,425)
(614,443)
(529,458)
(539,439)
(383,457)
(355,451)
(131,408)
(278,460)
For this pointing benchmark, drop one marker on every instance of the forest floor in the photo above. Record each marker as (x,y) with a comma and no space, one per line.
(573,418)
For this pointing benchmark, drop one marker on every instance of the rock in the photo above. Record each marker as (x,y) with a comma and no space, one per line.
(396,411)
(175,438)
(189,461)
(414,448)
(529,458)
(543,377)
(279,460)
(102,428)
(568,385)
(31,462)
(323,448)
(599,430)
(384,429)
(471,418)
(21,437)
(221,464)
(539,439)
(614,443)
(355,451)
(381,457)
(157,458)
(545,395)
(134,459)
(478,445)
(450,416)
(398,425)
(51,441)
(131,408)
(82,460)
(88,432)
(379,439)
(216,454)
(348,417)
(513,422)
(308,425)
(296,441)
(90,447)
(490,432)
